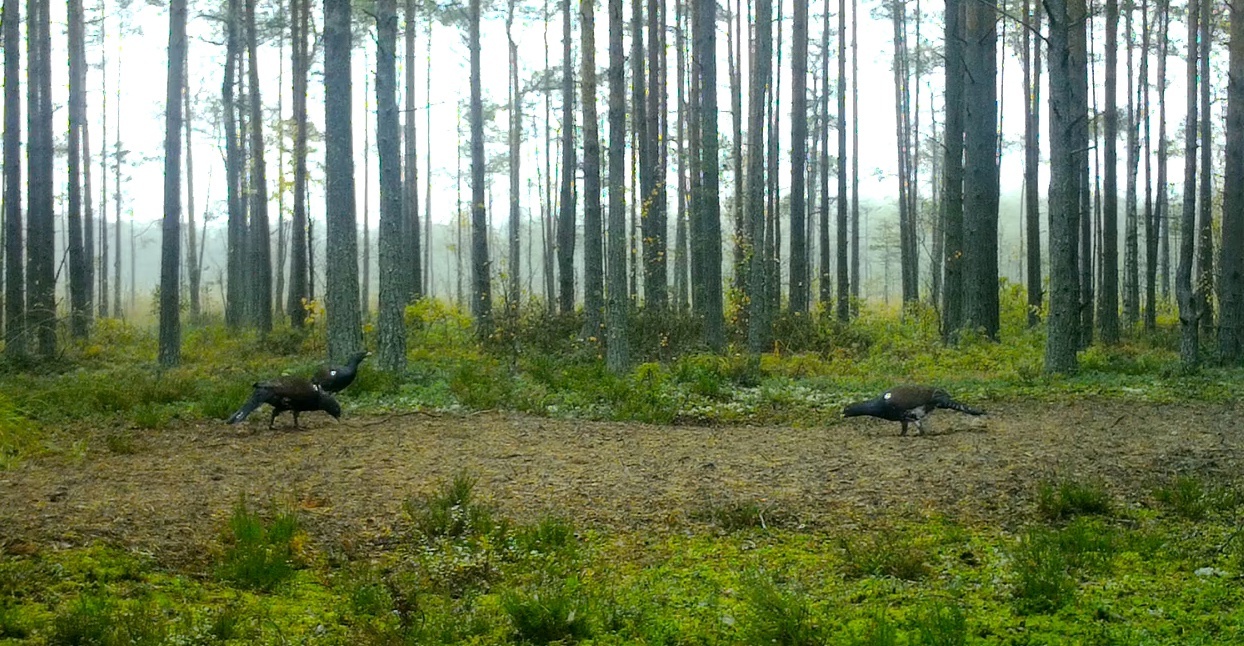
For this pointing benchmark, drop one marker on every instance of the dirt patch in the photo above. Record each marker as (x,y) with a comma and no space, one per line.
(170,495)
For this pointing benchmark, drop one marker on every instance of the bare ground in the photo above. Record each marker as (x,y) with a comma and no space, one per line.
(172,493)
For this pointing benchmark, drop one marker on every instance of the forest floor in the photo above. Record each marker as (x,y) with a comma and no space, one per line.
(169,492)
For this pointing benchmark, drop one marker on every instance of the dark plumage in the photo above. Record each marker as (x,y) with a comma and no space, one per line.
(334,379)
(908,404)
(288,393)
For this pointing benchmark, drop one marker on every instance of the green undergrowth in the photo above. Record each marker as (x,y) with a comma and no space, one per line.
(459,571)
(542,364)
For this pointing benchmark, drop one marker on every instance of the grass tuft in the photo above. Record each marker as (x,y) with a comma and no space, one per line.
(885,553)
(941,623)
(1068,498)
(260,555)
(778,615)
(555,611)
(452,512)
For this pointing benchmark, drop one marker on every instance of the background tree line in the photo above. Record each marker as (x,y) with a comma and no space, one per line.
(728,225)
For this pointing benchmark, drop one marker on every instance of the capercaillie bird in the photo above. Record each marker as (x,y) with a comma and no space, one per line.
(287,393)
(334,379)
(907,404)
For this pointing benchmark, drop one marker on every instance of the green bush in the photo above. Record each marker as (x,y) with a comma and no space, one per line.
(779,615)
(260,555)
(1042,573)
(554,611)
(452,512)
(941,623)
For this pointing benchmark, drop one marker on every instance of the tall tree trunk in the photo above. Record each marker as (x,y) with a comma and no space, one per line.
(278,293)
(856,278)
(548,227)
(1205,255)
(952,194)
(235,299)
(192,235)
(365,283)
(516,134)
(695,224)
(758,330)
(427,125)
(1131,272)
(410,202)
(1151,248)
(1032,161)
(1161,214)
(825,276)
(394,263)
(655,248)
(299,291)
(481,287)
(709,213)
(1189,303)
(617,356)
(78,306)
(118,160)
(345,334)
(846,279)
(41,216)
(980,176)
(1080,52)
(593,240)
(736,144)
(565,220)
(1231,262)
(798,160)
(260,242)
(905,228)
(682,277)
(643,150)
(1064,209)
(14,269)
(103,167)
(170,256)
(1108,296)
(773,215)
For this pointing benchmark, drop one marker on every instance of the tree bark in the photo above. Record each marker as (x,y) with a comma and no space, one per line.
(1032,162)
(1205,255)
(260,241)
(617,356)
(1231,261)
(980,185)
(345,333)
(798,160)
(79,285)
(394,264)
(952,194)
(656,289)
(1189,303)
(1108,296)
(236,297)
(758,311)
(14,269)
(170,256)
(481,291)
(298,263)
(41,216)
(565,220)
(1063,322)
(709,213)
(593,261)
(516,141)
(410,203)
(193,269)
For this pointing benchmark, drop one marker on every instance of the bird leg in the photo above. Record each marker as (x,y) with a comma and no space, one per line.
(919,426)
(272,420)
(904,433)
(296,420)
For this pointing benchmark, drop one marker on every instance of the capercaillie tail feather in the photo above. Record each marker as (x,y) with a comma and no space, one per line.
(257,399)
(962,408)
